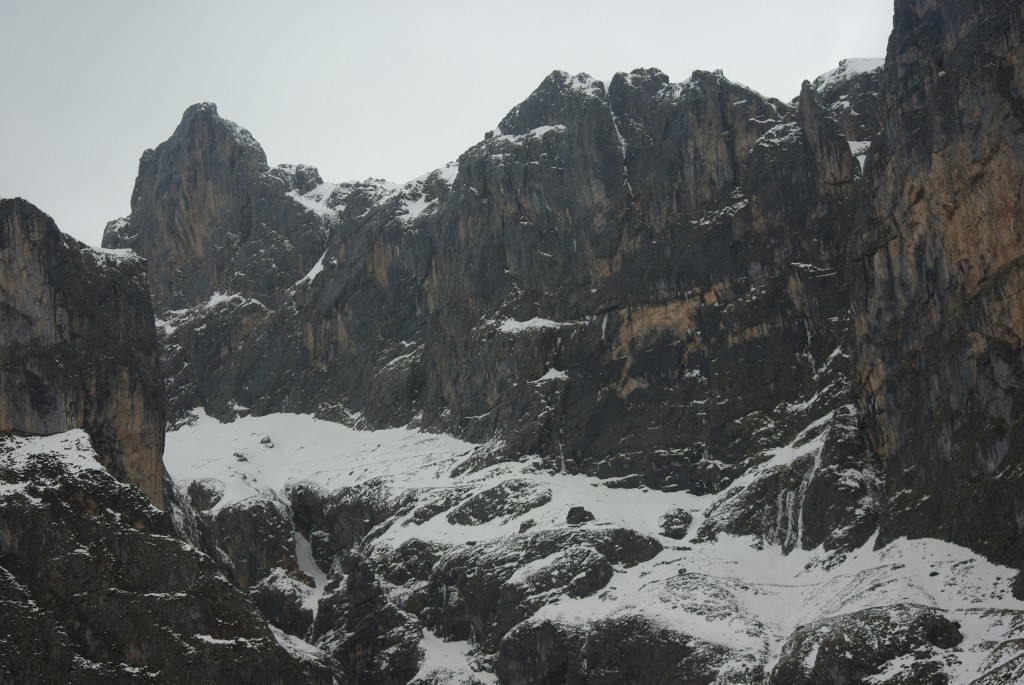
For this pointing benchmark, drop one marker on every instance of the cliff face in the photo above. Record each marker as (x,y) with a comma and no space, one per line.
(603,280)
(614,270)
(938,310)
(77,346)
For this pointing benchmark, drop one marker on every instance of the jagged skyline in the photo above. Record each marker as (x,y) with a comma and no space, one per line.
(358,92)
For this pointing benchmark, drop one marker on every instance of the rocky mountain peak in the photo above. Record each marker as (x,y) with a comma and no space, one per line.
(850,95)
(201,121)
(206,209)
(558,100)
(650,81)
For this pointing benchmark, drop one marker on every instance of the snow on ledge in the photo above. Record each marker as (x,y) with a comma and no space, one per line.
(847,69)
(314,272)
(536,323)
(551,375)
(297,647)
(104,254)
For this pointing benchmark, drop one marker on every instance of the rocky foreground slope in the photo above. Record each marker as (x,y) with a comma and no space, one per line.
(652,384)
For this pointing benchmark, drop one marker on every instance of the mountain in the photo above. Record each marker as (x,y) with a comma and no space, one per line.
(658,382)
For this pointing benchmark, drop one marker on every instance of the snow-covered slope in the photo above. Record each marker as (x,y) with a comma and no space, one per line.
(744,607)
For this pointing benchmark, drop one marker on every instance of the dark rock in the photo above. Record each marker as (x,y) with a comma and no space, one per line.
(204,494)
(508,499)
(471,592)
(93,574)
(348,514)
(374,640)
(850,94)
(412,560)
(324,552)
(830,495)
(578,515)
(629,649)
(282,601)
(77,346)
(852,647)
(676,523)
(256,536)
(574,572)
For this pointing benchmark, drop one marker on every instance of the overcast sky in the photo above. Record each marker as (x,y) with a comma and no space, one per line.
(388,90)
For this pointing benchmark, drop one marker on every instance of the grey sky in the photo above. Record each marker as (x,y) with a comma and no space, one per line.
(362,89)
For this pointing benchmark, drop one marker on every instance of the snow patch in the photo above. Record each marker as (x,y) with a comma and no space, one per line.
(536,323)
(847,69)
(859,149)
(315,271)
(297,647)
(552,374)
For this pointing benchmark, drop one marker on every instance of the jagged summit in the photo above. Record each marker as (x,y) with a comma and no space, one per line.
(201,114)
(851,94)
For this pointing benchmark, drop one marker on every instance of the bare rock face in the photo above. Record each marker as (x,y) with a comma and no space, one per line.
(474,593)
(77,346)
(938,310)
(374,640)
(628,649)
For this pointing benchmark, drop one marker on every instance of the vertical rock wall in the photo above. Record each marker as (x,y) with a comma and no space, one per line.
(939,312)
(78,347)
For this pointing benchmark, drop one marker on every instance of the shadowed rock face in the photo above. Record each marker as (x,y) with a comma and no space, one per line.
(939,315)
(77,346)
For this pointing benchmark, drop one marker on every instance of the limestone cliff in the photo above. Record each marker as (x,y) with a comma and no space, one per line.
(77,346)
(939,317)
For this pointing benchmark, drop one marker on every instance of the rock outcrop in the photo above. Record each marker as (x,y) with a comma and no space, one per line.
(206,214)
(77,346)
(97,587)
